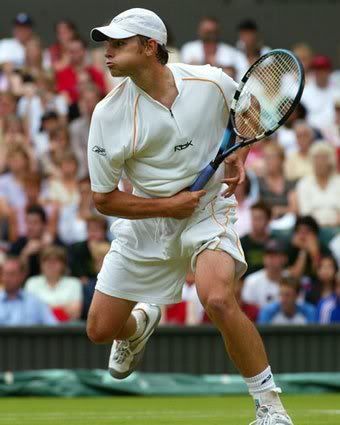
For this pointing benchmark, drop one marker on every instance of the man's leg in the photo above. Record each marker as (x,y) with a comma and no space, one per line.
(110,318)
(215,275)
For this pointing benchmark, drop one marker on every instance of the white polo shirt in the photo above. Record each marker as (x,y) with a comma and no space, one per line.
(161,150)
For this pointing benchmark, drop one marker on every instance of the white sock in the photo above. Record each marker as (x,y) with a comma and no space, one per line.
(263,389)
(140,318)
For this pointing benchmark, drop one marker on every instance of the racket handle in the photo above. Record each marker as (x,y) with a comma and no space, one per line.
(202,178)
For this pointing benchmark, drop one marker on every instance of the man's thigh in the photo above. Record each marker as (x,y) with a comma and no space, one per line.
(215,274)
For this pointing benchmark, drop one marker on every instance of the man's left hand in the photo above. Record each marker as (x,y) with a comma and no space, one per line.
(234,174)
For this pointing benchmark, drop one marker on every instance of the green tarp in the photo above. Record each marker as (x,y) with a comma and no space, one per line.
(72,383)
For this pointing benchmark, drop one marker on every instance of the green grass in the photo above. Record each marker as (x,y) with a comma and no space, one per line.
(229,410)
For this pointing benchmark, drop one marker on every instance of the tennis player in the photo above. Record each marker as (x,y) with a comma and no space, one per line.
(161,126)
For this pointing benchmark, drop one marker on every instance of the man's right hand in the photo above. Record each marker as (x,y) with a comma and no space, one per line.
(183,204)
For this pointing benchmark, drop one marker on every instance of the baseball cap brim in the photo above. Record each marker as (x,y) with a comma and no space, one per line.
(110,31)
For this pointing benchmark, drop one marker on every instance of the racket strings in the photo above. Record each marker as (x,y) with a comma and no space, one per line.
(274,83)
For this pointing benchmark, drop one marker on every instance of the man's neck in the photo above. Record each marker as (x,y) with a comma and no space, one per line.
(157,81)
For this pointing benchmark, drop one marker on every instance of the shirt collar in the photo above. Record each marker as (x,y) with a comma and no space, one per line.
(5,297)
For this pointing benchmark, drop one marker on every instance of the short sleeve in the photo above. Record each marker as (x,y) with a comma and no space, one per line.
(228,86)
(105,169)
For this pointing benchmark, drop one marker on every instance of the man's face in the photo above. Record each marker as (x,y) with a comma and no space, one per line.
(248,38)
(35,226)
(259,220)
(76,52)
(274,261)
(22,33)
(288,298)
(304,136)
(208,31)
(322,77)
(12,276)
(125,56)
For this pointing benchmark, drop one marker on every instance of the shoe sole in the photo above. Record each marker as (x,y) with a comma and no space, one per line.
(138,356)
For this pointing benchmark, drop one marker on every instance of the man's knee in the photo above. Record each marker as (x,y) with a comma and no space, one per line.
(97,332)
(220,306)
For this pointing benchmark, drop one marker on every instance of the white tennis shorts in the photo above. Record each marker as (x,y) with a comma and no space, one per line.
(149,258)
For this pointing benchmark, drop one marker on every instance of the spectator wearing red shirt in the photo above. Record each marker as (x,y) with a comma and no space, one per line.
(65,31)
(78,73)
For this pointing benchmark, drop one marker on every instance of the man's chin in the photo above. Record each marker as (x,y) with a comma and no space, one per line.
(117,73)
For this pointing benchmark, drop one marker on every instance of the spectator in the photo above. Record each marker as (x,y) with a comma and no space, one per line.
(250,310)
(305,249)
(298,164)
(12,184)
(262,287)
(8,225)
(50,99)
(249,42)
(72,77)
(288,311)
(82,261)
(332,133)
(253,243)
(285,135)
(65,32)
(17,306)
(274,188)
(37,237)
(334,246)
(62,293)
(325,281)
(328,309)
(318,195)
(13,49)
(79,128)
(59,141)
(50,123)
(34,65)
(208,49)
(319,94)
(305,53)
(246,194)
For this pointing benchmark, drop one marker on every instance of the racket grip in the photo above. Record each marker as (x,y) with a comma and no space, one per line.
(202,178)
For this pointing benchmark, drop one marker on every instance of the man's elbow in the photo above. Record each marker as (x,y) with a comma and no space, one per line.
(100,201)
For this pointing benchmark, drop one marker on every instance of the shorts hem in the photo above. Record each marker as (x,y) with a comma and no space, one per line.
(137,297)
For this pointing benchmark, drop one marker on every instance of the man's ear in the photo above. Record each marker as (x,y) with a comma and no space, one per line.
(151,47)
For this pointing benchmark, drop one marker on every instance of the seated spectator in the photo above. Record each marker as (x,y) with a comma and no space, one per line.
(62,293)
(64,191)
(299,164)
(288,311)
(324,284)
(285,135)
(318,195)
(274,188)
(246,195)
(65,31)
(328,309)
(304,250)
(50,123)
(12,184)
(332,133)
(262,287)
(82,261)
(70,78)
(305,53)
(208,49)
(8,225)
(37,237)
(58,144)
(79,128)
(253,243)
(19,307)
(34,65)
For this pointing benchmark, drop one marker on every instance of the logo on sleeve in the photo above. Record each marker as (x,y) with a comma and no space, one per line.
(184,146)
(99,150)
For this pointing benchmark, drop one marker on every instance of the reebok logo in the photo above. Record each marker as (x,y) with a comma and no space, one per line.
(184,146)
(99,150)
(266,379)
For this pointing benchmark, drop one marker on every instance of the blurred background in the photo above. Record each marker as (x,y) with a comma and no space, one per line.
(52,240)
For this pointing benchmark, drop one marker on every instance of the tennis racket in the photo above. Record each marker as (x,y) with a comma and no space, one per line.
(266,96)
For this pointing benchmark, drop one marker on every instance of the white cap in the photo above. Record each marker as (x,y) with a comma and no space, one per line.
(132,22)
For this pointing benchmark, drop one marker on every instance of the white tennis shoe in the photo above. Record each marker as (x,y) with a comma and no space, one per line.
(126,354)
(269,415)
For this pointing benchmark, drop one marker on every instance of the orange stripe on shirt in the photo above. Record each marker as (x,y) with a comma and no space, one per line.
(206,80)
(135,129)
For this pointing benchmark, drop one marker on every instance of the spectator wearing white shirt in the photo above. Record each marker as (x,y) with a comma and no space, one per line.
(208,49)
(320,94)
(262,287)
(62,293)
(249,42)
(13,49)
(318,195)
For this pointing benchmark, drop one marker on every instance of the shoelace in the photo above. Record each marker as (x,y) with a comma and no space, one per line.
(263,416)
(122,351)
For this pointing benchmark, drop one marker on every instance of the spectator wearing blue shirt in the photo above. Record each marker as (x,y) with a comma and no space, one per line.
(288,311)
(18,307)
(328,309)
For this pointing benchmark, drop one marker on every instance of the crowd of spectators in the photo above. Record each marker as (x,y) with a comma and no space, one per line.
(53,241)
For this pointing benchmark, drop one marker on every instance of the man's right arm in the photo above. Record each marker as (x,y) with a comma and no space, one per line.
(126,205)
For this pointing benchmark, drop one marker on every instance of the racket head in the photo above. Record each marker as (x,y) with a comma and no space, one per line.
(267,95)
